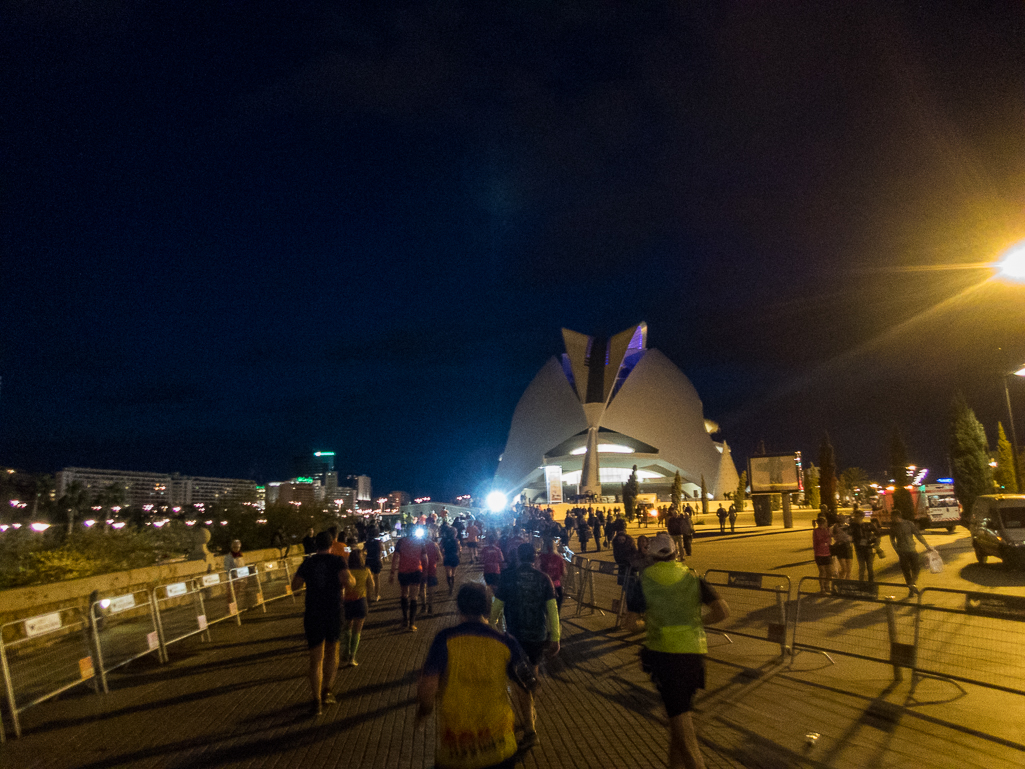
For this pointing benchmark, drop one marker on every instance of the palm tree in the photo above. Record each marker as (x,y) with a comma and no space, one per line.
(73,503)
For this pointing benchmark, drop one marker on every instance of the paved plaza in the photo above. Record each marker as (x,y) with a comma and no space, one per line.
(241,700)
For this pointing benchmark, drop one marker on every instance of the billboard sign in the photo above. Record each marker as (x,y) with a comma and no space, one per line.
(775,473)
(553,483)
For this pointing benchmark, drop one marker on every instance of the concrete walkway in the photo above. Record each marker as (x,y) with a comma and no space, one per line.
(241,700)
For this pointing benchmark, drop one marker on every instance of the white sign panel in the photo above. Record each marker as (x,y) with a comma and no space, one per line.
(121,603)
(775,474)
(241,571)
(270,566)
(211,579)
(201,621)
(42,624)
(553,482)
(152,640)
(178,588)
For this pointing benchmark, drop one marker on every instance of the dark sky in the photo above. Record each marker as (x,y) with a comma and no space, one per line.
(235,230)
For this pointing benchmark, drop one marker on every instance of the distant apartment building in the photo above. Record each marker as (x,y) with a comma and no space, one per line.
(158,489)
(304,491)
(364,491)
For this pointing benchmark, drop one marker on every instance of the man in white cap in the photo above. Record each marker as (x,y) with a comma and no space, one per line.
(675,645)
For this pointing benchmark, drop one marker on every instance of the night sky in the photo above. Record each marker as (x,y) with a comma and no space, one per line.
(237,230)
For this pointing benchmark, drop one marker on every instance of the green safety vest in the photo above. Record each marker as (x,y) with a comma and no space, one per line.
(672,594)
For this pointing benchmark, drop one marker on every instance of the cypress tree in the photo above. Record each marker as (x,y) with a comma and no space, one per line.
(1003,474)
(741,493)
(811,488)
(969,454)
(676,495)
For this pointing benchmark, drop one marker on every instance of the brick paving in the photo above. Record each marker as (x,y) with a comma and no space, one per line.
(241,700)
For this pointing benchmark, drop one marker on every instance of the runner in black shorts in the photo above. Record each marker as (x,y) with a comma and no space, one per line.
(324,576)
(373,549)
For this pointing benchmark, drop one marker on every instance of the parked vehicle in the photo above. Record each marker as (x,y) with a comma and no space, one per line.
(934,503)
(998,528)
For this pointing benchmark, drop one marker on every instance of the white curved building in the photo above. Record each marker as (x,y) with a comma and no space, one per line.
(603,407)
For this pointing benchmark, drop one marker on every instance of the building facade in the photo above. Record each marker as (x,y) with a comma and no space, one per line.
(158,489)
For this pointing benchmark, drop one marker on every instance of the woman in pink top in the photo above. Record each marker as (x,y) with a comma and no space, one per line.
(820,538)
(552,565)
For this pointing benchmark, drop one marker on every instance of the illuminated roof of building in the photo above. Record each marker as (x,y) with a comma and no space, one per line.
(640,407)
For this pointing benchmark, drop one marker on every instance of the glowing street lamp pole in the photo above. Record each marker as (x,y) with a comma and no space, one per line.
(1014,433)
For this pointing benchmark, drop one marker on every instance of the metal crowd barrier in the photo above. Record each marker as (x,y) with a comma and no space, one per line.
(180,612)
(245,584)
(124,629)
(758,605)
(601,589)
(971,637)
(218,597)
(275,580)
(43,656)
(856,619)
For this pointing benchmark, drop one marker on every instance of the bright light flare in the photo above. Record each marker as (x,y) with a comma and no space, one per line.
(1012,266)
(496,501)
(39,526)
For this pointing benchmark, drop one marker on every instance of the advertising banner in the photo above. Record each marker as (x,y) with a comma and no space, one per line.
(775,473)
(553,483)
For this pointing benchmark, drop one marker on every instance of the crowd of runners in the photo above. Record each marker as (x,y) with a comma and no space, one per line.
(480,674)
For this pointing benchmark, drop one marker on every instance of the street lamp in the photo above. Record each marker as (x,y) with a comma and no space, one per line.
(1012,265)
(1010,415)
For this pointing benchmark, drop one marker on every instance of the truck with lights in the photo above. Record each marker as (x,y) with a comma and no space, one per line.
(934,503)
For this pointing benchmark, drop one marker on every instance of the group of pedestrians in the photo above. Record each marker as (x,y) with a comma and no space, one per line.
(856,537)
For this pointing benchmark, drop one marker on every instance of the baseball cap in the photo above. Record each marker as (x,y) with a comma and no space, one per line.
(662,545)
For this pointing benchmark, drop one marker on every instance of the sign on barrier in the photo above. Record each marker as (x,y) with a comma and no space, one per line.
(42,657)
(971,637)
(855,619)
(179,611)
(758,604)
(245,582)
(124,629)
(601,589)
(218,597)
(275,581)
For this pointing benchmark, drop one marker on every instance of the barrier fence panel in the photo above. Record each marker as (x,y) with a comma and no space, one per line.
(124,629)
(218,597)
(972,637)
(43,656)
(856,619)
(584,595)
(603,589)
(758,604)
(179,610)
(275,580)
(245,583)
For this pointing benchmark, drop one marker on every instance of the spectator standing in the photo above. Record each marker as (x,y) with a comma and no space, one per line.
(583,534)
(903,533)
(466,676)
(687,529)
(866,539)
(674,528)
(732,513)
(309,542)
(325,576)
(595,523)
(430,582)
(675,643)
(842,546)
(823,553)
(721,515)
(234,559)
(527,598)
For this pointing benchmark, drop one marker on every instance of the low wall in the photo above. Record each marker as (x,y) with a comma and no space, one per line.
(21,602)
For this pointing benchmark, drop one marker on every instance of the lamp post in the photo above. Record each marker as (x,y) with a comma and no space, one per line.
(1014,433)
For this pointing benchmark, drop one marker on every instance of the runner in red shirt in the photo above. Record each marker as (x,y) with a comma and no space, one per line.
(550,563)
(410,561)
(492,558)
(430,582)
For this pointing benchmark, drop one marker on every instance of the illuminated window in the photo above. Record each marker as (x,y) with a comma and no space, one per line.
(605,448)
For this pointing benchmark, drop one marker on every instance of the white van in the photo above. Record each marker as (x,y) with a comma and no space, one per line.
(998,528)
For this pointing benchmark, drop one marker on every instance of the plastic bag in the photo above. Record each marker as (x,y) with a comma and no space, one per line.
(933,561)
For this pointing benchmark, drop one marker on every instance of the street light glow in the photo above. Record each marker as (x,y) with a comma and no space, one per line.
(1012,266)
(496,501)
